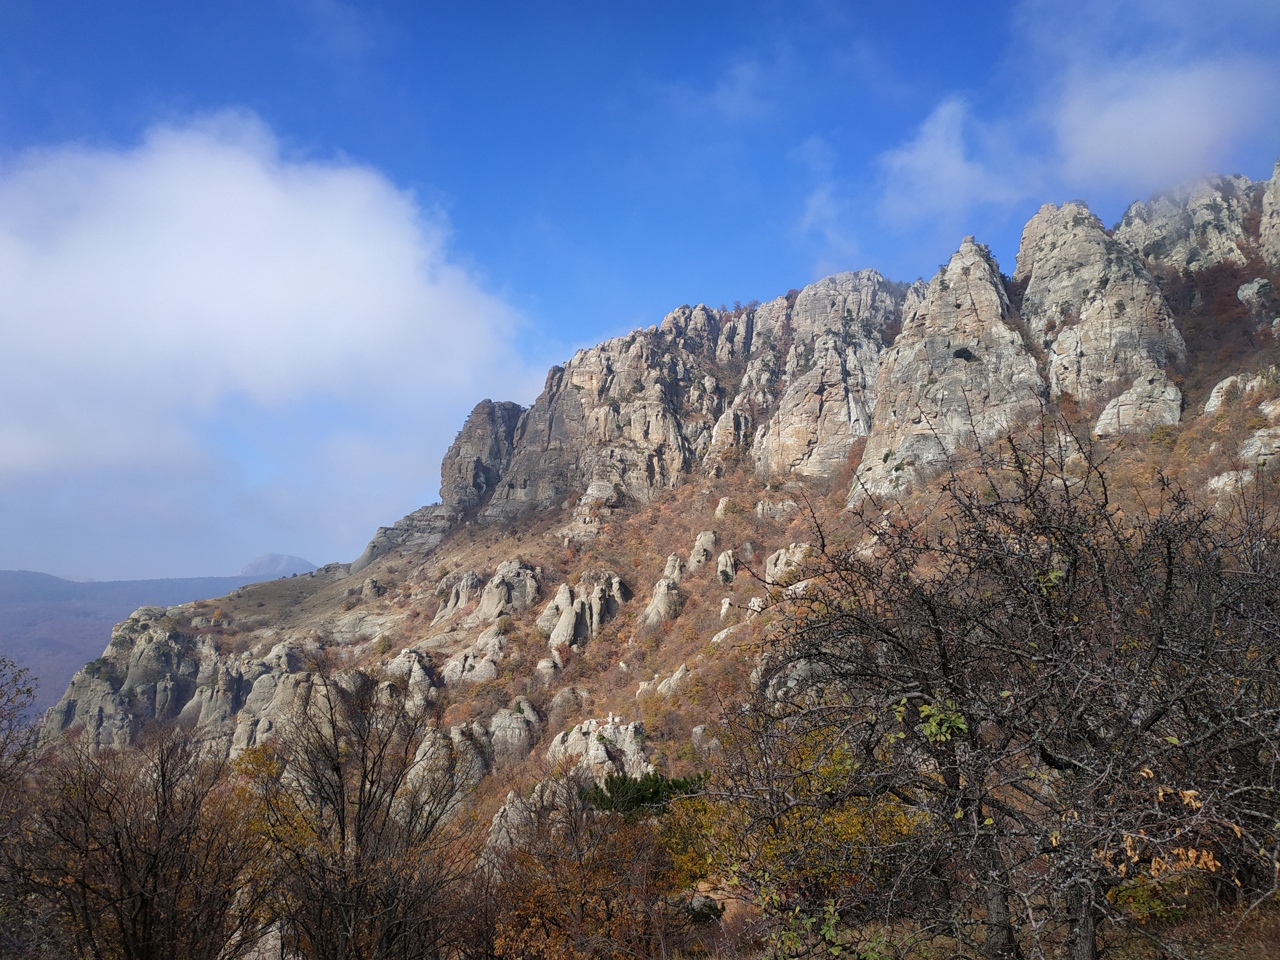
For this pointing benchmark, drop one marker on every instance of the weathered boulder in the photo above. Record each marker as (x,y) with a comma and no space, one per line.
(785,561)
(513,589)
(458,592)
(665,604)
(478,662)
(576,614)
(727,567)
(704,546)
(674,569)
(513,732)
(1151,402)
(600,748)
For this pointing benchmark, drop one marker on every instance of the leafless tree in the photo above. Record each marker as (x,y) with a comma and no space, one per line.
(143,854)
(357,799)
(1073,706)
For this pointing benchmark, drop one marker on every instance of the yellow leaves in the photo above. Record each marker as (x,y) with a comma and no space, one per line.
(1183,859)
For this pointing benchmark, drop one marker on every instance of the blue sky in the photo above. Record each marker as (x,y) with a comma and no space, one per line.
(258,259)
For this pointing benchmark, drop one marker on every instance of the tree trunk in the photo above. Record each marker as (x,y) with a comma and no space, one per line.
(1082,932)
(999,943)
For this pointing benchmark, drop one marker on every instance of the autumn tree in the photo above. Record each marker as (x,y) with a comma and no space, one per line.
(26,926)
(583,872)
(142,853)
(356,798)
(1058,702)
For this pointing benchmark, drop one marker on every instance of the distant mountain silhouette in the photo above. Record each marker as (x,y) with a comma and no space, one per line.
(272,565)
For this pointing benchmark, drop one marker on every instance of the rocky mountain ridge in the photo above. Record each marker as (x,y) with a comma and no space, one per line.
(585,576)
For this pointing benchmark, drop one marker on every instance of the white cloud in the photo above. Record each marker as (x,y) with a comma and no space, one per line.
(203,297)
(1141,96)
(158,282)
(826,217)
(1139,127)
(936,176)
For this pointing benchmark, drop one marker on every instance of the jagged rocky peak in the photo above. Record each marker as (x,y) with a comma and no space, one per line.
(1197,227)
(1098,314)
(836,329)
(958,373)
(479,456)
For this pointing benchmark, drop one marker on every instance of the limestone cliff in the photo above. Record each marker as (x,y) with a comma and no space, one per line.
(1195,228)
(1099,316)
(958,374)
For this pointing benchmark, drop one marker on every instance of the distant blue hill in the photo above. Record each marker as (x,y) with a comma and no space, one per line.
(53,627)
(272,565)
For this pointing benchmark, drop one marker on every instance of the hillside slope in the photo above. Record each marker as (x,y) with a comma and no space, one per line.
(589,583)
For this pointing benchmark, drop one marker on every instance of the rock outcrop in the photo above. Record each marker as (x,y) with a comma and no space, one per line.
(1100,318)
(756,404)
(599,748)
(577,614)
(836,330)
(1269,221)
(1196,228)
(958,374)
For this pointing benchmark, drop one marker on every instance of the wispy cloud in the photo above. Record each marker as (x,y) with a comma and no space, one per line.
(938,174)
(1113,100)
(827,218)
(739,93)
(1139,127)
(1141,96)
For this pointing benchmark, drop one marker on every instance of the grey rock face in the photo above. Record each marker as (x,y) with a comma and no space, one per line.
(147,672)
(1151,402)
(1096,311)
(784,561)
(1197,228)
(513,732)
(513,589)
(1238,387)
(1269,224)
(958,373)
(422,529)
(599,748)
(829,376)
(704,547)
(479,456)
(727,567)
(461,591)
(674,569)
(478,662)
(665,604)
(577,614)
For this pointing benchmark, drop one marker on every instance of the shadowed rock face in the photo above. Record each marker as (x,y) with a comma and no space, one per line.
(480,455)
